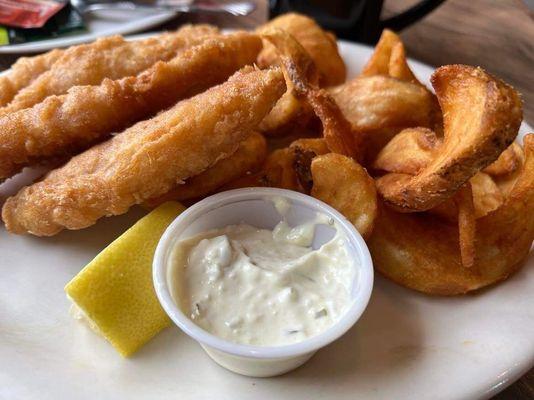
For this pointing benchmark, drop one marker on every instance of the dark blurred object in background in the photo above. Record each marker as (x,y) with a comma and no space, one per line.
(357,20)
(65,22)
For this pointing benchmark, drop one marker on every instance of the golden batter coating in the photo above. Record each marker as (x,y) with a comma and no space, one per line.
(148,159)
(25,71)
(67,124)
(110,57)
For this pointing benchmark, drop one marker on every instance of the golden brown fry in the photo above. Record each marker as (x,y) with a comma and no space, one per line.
(278,170)
(413,149)
(398,65)
(300,71)
(378,64)
(336,129)
(321,48)
(482,116)
(148,159)
(408,152)
(109,57)
(504,240)
(248,158)
(342,183)
(63,125)
(378,107)
(283,167)
(25,71)
(506,183)
(466,224)
(509,161)
(487,196)
(389,58)
(372,103)
(288,115)
(315,145)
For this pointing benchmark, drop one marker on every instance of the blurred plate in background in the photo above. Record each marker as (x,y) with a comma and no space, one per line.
(103,23)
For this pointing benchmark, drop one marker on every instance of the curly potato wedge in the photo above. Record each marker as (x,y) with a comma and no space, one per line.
(487,196)
(316,145)
(317,43)
(481,115)
(389,58)
(345,185)
(408,152)
(290,113)
(509,161)
(426,256)
(277,171)
(379,107)
(299,71)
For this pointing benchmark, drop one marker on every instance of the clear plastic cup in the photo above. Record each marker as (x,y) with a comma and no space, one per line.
(255,206)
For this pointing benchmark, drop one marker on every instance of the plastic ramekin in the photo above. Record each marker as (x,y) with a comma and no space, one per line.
(255,206)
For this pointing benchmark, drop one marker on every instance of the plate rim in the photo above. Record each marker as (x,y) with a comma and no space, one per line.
(136,25)
(517,368)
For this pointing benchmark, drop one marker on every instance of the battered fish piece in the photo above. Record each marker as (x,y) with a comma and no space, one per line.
(248,158)
(148,159)
(64,125)
(111,57)
(23,72)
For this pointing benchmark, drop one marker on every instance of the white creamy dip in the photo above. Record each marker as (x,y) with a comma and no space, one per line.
(261,287)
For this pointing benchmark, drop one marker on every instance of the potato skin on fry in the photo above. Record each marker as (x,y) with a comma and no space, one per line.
(379,107)
(408,152)
(389,59)
(322,49)
(510,160)
(65,125)
(426,256)
(148,159)
(342,183)
(249,157)
(487,196)
(482,116)
(466,224)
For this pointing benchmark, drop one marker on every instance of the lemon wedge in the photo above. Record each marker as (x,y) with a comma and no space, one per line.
(114,292)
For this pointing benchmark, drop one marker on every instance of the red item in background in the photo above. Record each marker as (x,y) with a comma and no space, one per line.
(28,13)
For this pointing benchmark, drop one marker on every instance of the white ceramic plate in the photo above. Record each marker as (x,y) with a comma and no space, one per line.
(406,346)
(103,23)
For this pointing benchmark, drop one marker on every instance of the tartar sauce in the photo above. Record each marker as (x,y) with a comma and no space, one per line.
(261,287)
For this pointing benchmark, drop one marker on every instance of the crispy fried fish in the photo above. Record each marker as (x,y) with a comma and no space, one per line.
(248,158)
(148,159)
(63,125)
(25,71)
(110,57)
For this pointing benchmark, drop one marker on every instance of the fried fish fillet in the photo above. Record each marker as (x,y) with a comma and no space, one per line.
(25,71)
(66,124)
(148,159)
(247,159)
(111,57)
